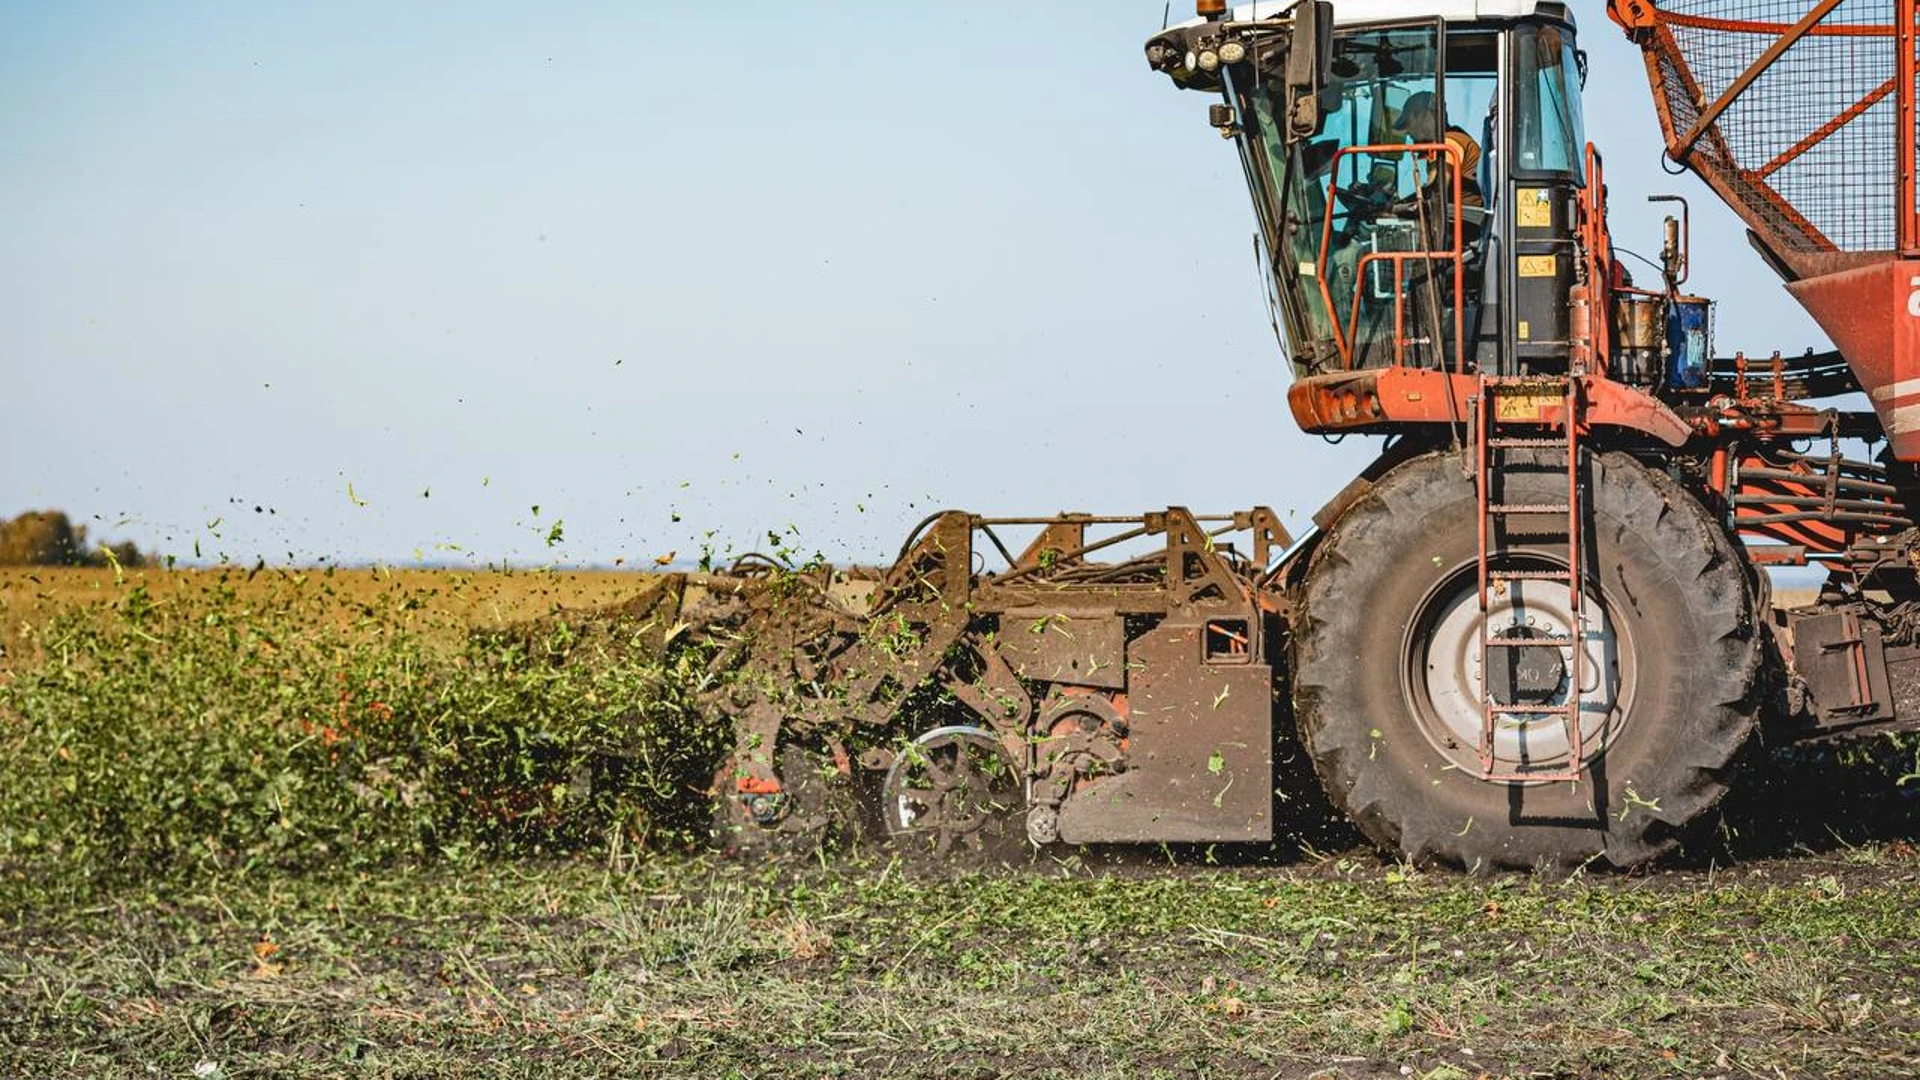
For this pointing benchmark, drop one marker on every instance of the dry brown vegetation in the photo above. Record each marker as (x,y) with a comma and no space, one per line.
(443,603)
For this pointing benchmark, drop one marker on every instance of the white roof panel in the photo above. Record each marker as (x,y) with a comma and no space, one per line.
(1353,12)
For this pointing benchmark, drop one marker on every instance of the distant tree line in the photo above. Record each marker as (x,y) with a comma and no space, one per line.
(50,538)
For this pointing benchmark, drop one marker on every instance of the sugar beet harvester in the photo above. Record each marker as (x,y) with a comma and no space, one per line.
(1535,629)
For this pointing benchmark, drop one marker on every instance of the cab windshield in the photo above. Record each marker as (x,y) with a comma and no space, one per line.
(1348,213)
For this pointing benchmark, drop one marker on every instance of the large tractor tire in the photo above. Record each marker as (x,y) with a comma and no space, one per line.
(1387,679)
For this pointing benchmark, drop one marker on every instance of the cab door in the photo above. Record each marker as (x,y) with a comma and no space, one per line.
(1544,146)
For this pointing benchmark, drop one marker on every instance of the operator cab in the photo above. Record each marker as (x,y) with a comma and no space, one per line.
(1415,168)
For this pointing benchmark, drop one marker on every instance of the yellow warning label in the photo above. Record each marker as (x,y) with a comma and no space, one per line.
(1526,330)
(1525,405)
(1537,265)
(1533,208)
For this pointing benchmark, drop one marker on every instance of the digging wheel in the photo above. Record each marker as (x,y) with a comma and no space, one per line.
(1389,678)
(818,806)
(955,794)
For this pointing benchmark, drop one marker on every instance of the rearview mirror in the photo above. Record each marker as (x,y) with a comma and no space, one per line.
(1307,57)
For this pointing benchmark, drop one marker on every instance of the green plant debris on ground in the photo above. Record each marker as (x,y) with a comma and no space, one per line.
(699,967)
(315,824)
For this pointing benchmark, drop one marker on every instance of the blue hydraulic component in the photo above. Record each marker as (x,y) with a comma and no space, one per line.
(1689,337)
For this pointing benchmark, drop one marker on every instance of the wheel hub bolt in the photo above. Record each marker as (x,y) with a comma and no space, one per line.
(765,809)
(1528,675)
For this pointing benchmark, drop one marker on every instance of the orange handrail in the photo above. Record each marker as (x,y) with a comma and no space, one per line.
(1598,245)
(1346,341)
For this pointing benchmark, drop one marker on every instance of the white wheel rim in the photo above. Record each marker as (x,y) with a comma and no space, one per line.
(1447,672)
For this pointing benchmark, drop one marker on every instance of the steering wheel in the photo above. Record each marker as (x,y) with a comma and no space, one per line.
(1364,198)
(1358,206)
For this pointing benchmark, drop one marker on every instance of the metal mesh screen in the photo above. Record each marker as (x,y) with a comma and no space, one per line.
(1807,150)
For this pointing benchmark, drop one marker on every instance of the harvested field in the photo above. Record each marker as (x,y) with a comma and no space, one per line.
(1339,967)
(306,824)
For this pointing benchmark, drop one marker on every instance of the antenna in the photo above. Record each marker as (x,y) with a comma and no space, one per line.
(1166,13)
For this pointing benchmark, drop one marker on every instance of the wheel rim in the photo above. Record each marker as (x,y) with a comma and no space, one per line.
(1445,676)
(951,788)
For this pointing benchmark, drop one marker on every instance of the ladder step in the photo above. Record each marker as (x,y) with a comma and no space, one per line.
(1528,508)
(1529,575)
(1568,709)
(1527,444)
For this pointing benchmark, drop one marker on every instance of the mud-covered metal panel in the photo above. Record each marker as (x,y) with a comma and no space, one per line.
(1080,650)
(1199,750)
(1840,660)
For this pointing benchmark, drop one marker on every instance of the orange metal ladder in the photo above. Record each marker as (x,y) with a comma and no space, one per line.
(1494,436)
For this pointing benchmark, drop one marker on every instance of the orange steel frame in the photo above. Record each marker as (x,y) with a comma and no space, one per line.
(1908,218)
(1819,135)
(1378,399)
(1808,23)
(1644,17)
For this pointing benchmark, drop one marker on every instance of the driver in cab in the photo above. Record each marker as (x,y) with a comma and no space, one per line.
(1419,119)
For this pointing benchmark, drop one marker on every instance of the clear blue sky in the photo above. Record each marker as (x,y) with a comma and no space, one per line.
(397,273)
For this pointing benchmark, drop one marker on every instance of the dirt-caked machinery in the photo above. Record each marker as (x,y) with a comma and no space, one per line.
(1538,628)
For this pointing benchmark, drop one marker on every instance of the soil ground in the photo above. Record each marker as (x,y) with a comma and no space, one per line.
(1336,966)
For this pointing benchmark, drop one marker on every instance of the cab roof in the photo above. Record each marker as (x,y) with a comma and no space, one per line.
(1357,12)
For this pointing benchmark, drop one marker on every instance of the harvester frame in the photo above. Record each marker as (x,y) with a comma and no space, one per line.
(1538,628)
(1068,669)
